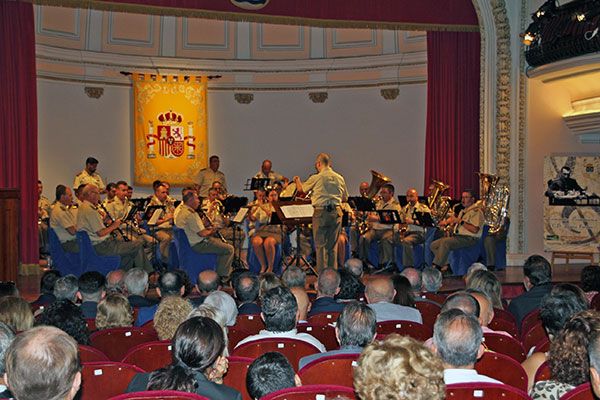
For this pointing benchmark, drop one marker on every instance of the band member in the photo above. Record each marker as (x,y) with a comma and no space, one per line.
(343,238)
(328,191)
(43,215)
(89,175)
(221,192)
(415,234)
(201,238)
(467,230)
(208,175)
(164,225)
(266,172)
(63,220)
(89,219)
(111,192)
(266,237)
(490,242)
(382,233)
(363,189)
(214,209)
(119,209)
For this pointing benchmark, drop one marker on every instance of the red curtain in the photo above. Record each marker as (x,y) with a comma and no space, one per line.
(18,118)
(452,133)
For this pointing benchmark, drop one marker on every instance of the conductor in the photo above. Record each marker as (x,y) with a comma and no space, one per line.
(328,191)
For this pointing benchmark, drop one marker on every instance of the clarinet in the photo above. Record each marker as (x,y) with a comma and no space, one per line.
(117,231)
(210,224)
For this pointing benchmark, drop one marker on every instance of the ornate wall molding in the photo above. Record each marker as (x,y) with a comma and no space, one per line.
(390,93)
(93,92)
(521,137)
(318,97)
(244,98)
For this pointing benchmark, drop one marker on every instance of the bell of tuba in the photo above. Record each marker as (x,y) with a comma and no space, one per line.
(495,198)
(437,202)
(377,181)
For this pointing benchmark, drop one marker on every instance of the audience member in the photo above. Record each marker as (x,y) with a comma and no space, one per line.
(354,266)
(8,289)
(91,291)
(294,277)
(188,286)
(7,335)
(66,316)
(356,327)
(280,313)
(66,287)
(171,312)
(328,285)
(114,311)
(16,313)
(457,339)
(198,362)
(486,311)
(462,301)
(303,303)
(380,294)
(46,288)
(488,283)
(594,355)
(351,288)
(115,283)
(269,373)
(414,277)
(208,282)
(432,280)
(404,294)
(399,368)
(224,305)
(268,281)
(136,284)
(170,283)
(538,282)
(246,292)
(43,363)
(590,281)
(476,266)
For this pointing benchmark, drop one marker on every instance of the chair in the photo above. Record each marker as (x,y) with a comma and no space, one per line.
(543,373)
(90,354)
(323,318)
(190,261)
(503,368)
(90,260)
(160,395)
(148,326)
(330,370)
(309,392)
(254,263)
(91,324)
(236,375)
(461,259)
(150,356)
(536,335)
(499,254)
(102,380)
(250,323)
(293,349)
(406,328)
(234,336)
(488,391)
(505,315)
(66,263)
(581,392)
(529,321)
(116,342)
(423,256)
(500,324)
(439,298)
(505,345)
(429,312)
(543,346)
(324,333)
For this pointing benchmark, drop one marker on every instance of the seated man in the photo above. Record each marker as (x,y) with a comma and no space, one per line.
(457,339)
(486,311)
(136,282)
(467,231)
(119,208)
(356,327)
(432,280)
(415,233)
(382,233)
(269,373)
(90,221)
(63,219)
(208,282)
(43,215)
(201,239)
(164,226)
(47,283)
(380,294)
(91,291)
(246,292)
(280,313)
(328,285)
(66,288)
(43,363)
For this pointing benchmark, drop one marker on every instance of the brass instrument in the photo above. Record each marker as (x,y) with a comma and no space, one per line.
(494,203)
(377,181)
(437,202)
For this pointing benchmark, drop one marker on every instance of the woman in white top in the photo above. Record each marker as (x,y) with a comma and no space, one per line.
(266,237)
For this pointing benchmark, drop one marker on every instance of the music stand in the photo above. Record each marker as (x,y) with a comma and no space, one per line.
(425,219)
(256,183)
(360,203)
(296,214)
(237,205)
(388,217)
(151,215)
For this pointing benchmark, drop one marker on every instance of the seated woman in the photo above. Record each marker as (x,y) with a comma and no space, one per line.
(266,237)
(198,363)
(16,313)
(114,311)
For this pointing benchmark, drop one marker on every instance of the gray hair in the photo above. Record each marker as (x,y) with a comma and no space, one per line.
(354,266)
(414,277)
(432,279)
(6,337)
(225,307)
(66,288)
(462,301)
(208,311)
(294,277)
(136,281)
(457,338)
(476,266)
(328,282)
(356,324)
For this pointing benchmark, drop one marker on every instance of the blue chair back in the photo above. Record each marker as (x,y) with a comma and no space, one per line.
(90,260)
(65,263)
(461,259)
(254,264)
(190,261)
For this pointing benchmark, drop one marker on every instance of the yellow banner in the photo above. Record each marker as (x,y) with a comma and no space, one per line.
(170,128)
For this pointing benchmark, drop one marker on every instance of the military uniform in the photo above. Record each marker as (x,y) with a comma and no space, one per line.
(415,234)
(164,231)
(119,209)
(382,233)
(272,176)
(206,177)
(462,237)
(132,253)
(84,178)
(62,217)
(328,191)
(43,215)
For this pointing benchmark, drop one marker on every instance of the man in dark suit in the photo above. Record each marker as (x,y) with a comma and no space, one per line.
(246,292)
(136,283)
(538,282)
(328,285)
(46,289)
(91,291)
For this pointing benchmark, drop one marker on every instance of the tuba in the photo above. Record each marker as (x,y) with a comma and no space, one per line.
(494,201)
(377,181)
(437,202)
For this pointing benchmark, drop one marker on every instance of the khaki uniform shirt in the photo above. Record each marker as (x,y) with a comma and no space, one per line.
(212,214)
(118,209)
(169,205)
(273,176)
(474,216)
(206,177)
(61,218)
(382,205)
(189,220)
(83,178)
(89,220)
(409,211)
(43,208)
(328,188)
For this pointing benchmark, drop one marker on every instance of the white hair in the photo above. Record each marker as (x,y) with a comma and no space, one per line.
(225,307)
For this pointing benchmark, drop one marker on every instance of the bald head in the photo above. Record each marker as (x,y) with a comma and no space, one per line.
(364,188)
(486,311)
(414,277)
(324,159)
(208,281)
(114,278)
(328,284)
(303,302)
(380,289)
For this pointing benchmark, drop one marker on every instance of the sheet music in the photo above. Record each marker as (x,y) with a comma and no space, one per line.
(298,211)
(241,214)
(155,217)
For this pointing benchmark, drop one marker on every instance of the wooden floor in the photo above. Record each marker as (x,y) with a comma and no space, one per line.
(29,285)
